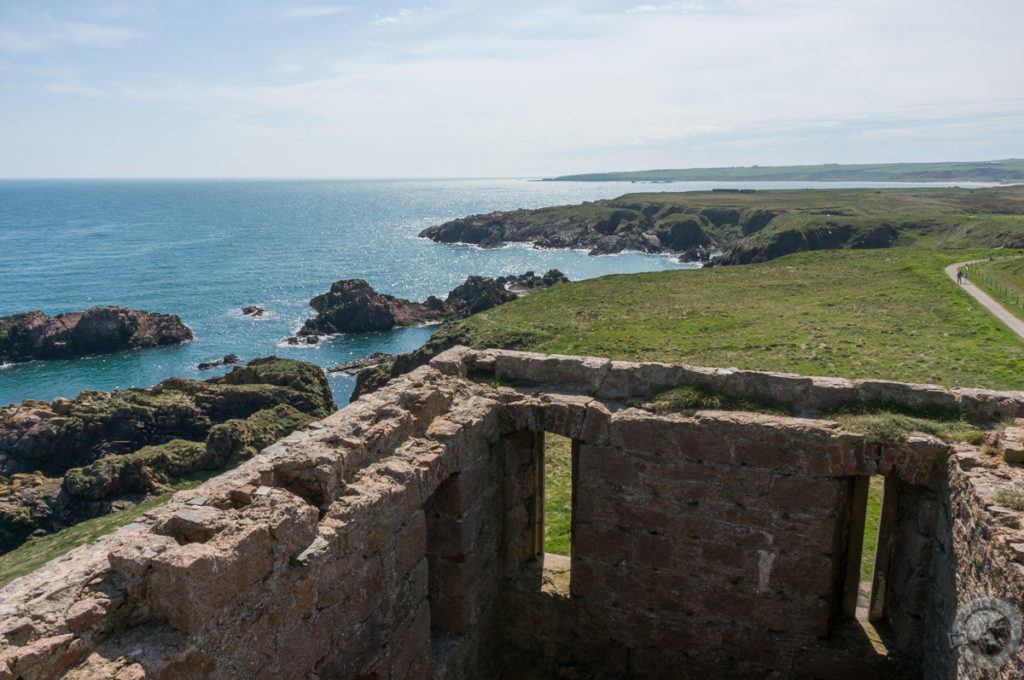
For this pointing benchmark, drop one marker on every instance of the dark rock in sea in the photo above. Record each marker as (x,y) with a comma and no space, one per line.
(253,310)
(353,306)
(698,254)
(228,360)
(34,335)
(352,367)
(71,459)
(310,339)
(476,294)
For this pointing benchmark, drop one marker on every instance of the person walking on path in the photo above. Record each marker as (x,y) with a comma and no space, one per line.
(959,276)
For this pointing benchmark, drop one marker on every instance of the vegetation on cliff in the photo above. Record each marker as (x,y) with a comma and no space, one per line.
(757,227)
(64,461)
(34,335)
(1009,170)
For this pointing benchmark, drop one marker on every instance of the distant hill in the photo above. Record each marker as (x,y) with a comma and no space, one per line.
(1008,170)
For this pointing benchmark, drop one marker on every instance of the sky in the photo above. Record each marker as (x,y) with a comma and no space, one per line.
(470,88)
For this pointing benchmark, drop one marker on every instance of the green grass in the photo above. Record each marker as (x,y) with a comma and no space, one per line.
(873,516)
(557,494)
(886,314)
(692,397)
(35,553)
(1011,498)
(884,426)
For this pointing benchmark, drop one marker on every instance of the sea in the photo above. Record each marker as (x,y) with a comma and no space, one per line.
(202,249)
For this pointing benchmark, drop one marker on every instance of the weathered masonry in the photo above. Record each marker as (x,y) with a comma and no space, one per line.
(401,537)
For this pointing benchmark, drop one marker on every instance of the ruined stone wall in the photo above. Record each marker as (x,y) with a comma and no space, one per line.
(400,537)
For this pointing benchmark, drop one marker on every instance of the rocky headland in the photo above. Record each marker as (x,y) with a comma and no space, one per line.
(100,330)
(598,229)
(71,459)
(725,227)
(353,306)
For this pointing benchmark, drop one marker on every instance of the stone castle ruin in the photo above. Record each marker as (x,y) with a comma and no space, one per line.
(402,538)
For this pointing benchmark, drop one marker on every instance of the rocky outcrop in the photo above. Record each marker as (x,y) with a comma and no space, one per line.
(353,367)
(600,231)
(71,459)
(353,306)
(528,282)
(34,335)
(253,310)
(226,360)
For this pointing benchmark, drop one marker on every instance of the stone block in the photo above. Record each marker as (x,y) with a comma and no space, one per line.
(450,361)
(411,543)
(86,613)
(1011,445)
(191,523)
(582,374)
(805,493)
(187,585)
(564,415)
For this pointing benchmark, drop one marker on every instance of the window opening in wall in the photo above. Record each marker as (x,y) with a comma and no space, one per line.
(867,564)
(558,504)
(872,515)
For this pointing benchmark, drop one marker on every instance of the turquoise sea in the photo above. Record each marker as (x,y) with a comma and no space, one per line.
(201,249)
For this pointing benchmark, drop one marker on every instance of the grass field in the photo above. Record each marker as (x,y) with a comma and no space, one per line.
(887,314)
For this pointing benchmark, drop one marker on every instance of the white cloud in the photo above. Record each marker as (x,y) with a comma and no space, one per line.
(74,88)
(314,11)
(97,35)
(666,7)
(48,34)
(401,15)
(286,69)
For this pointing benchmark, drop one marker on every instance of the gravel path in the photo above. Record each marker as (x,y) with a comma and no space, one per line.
(1015,324)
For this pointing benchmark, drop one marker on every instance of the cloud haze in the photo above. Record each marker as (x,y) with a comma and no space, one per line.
(469,88)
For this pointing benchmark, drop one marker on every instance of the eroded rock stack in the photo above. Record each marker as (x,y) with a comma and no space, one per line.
(34,335)
(353,306)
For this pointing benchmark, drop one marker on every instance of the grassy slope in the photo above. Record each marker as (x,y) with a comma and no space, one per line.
(29,556)
(888,314)
(886,172)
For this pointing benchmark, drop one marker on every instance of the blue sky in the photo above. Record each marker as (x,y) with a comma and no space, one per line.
(464,88)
